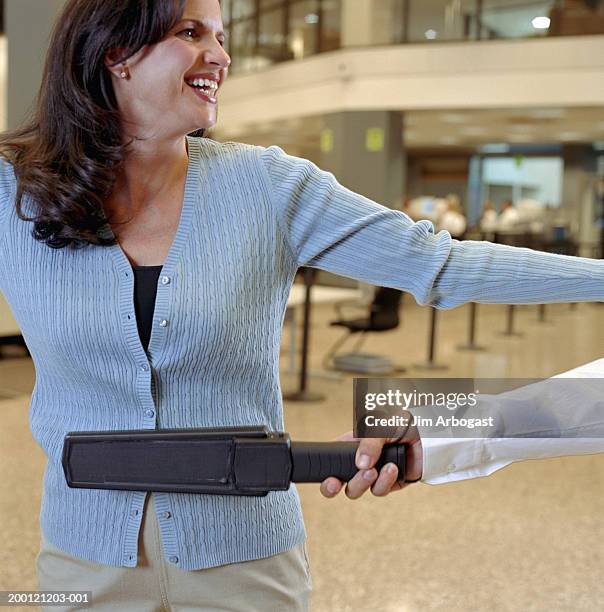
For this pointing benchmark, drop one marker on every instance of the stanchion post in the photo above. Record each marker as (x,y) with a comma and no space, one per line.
(430,364)
(303,395)
(471,344)
(510,323)
(542,317)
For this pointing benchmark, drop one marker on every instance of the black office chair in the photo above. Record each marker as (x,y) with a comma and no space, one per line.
(383,316)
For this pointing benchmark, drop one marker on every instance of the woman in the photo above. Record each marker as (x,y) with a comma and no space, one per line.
(106,165)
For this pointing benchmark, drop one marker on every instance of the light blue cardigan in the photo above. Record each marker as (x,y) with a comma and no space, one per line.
(250,217)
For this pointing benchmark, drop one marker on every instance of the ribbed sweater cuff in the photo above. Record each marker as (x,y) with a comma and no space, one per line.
(493,273)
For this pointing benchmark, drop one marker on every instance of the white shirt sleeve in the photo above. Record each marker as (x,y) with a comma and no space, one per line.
(451,459)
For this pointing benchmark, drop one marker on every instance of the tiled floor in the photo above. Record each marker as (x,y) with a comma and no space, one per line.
(530,537)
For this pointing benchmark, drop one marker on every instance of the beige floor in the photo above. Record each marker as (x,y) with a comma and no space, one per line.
(530,537)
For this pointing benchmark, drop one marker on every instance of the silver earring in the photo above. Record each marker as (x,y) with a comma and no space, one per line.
(124,73)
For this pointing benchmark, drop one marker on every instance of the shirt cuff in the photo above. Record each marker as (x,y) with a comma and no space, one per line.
(451,459)
(454,459)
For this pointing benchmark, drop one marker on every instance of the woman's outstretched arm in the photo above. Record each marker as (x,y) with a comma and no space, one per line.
(327,226)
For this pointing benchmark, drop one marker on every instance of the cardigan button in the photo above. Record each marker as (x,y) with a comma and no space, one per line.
(165,280)
(163,323)
(173,559)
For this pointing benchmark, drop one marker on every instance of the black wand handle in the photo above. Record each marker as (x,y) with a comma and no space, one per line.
(316,461)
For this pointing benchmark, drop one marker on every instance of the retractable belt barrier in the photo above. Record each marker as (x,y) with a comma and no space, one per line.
(229,461)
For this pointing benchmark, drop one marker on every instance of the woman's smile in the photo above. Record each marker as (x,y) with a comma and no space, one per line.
(205,86)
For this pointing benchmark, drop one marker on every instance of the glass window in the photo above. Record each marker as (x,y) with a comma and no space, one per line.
(491,19)
(331,19)
(243,44)
(513,19)
(436,20)
(225,10)
(303,28)
(272,42)
(241,9)
(535,178)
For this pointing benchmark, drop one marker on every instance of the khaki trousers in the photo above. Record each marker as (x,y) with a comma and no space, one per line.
(280,583)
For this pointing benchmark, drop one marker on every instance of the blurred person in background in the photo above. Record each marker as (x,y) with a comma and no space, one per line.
(509,219)
(532,215)
(453,219)
(488,220)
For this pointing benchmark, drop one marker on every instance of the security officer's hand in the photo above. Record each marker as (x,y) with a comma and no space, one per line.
(387,480)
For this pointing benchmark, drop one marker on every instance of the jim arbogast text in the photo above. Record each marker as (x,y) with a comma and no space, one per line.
(399,420)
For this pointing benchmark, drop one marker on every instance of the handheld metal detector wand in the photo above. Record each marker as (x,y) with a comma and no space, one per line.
(229,461)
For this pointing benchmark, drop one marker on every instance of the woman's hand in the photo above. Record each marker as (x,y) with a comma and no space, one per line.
(367,477)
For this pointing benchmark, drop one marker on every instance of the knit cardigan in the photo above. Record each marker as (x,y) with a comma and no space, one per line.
(250,217)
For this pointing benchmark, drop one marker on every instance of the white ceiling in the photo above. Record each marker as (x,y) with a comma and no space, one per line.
(452,129)
(513,126)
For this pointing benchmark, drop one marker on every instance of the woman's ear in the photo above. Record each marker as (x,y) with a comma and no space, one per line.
(117,64)
(113,63)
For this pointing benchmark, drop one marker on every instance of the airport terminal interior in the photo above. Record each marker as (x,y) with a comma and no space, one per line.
(485,117)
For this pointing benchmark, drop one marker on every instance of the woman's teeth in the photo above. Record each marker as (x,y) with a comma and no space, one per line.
(207,86)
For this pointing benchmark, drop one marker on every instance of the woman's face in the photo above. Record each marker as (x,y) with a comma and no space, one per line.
(172,85)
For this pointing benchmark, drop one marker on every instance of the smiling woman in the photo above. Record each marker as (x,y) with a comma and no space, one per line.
(171,317)
(115,77)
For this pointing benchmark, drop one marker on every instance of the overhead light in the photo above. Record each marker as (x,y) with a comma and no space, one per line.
(311,18)
(495,148)
(430,34)
(541,23)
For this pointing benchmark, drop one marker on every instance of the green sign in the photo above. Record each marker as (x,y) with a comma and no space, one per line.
(326,140)
(374,139)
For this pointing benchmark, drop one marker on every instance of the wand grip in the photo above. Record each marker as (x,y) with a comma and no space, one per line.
(316,461)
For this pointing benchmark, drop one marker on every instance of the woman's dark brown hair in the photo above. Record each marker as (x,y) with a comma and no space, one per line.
(66,155)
